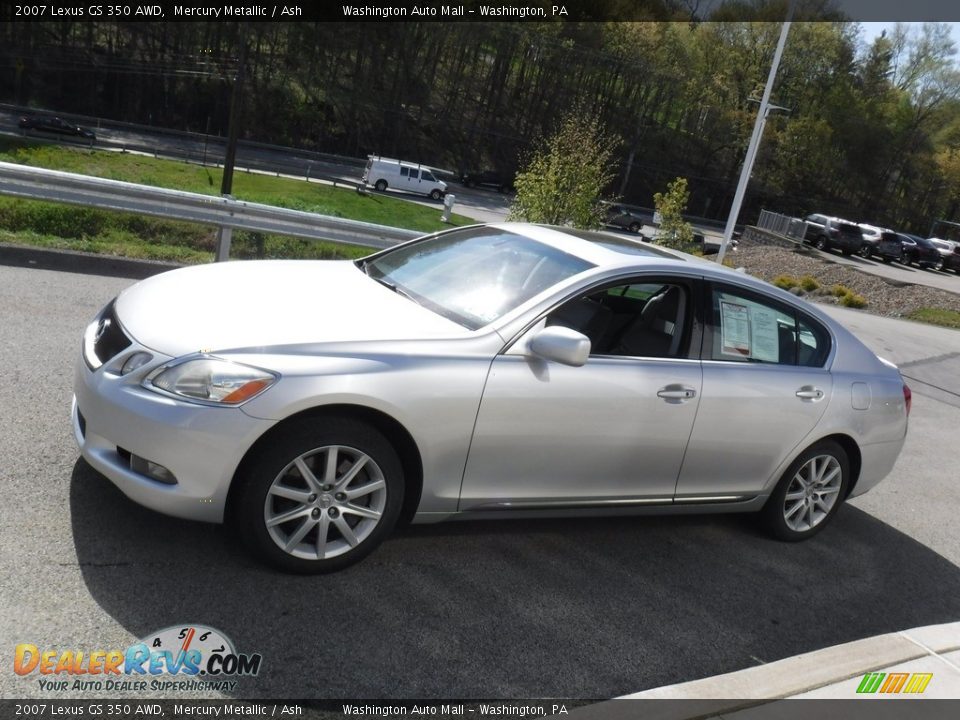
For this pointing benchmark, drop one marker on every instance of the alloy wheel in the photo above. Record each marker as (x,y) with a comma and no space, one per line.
(812,493)
(325,502)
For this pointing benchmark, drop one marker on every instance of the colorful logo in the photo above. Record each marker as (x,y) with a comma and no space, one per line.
(184,650)
(878,682)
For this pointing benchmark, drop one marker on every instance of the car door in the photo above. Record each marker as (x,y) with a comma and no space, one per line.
(765,387)
(609,433)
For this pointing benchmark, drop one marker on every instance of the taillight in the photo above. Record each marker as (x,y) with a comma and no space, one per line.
(907,398)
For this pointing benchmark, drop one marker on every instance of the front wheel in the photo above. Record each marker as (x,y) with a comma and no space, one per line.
(320,497)
(435,194)
(865,251)
(809,493)
(822,243)
(634,227)
(381,185)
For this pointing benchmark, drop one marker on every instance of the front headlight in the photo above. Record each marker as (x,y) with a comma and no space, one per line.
(211,380)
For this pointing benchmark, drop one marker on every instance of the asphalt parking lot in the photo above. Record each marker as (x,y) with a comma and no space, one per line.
(574,608)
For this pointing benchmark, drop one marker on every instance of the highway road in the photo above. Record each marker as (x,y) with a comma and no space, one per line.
(575,608)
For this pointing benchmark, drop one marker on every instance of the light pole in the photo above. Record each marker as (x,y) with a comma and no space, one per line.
(755,138)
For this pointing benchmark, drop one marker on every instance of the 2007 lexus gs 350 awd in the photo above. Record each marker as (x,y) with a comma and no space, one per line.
(491,371)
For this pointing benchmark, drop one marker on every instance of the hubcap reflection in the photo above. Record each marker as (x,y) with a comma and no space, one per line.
(325,502)
(812,493)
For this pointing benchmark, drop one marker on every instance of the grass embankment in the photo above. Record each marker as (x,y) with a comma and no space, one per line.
(937,316)
(88,229)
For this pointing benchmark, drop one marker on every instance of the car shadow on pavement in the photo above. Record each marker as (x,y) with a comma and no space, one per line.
(585,608)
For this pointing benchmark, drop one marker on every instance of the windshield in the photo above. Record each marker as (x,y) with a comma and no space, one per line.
(473,276)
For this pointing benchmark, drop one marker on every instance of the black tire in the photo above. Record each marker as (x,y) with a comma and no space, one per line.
(634,227)
(864,251)
(435,194)
(775,511)
(903,259)
(319,504)
(937,266)
(381,185)
(822,243)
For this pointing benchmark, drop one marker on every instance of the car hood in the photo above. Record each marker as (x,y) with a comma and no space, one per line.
(258,304)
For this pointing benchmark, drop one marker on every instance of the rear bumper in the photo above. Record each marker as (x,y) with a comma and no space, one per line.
(877,461)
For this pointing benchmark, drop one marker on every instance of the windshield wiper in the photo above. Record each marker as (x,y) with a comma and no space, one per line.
(398,290)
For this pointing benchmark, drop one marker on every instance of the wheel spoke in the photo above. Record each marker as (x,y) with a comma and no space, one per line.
(289,493)
(287,516)
(330,470)
(323,526)
(829,491)
(307,474)
(361,511)
(834,474)
(823,505)
(810,515)
(793,511)
(356,492)
(350,474)
(300,533)
(346,531)
(796,495)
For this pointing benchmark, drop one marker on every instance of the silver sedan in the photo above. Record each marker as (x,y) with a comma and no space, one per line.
(492,371)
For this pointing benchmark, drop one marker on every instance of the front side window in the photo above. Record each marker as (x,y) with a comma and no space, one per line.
(747,327)
(426,175)
(641,319)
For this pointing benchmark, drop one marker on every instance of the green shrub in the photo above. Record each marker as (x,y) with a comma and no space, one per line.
(809,283)
(786,282)
(853,300)
(840,290)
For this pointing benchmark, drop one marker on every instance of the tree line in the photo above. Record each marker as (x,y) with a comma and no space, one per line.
(869,131)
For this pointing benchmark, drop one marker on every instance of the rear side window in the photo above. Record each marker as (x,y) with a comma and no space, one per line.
(748,327)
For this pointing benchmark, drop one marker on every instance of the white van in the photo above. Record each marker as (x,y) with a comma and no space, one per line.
(384,172)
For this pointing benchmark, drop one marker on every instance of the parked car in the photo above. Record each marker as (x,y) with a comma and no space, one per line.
(382,173)
(55,125)
(871,239)
(920,251)
(505,370)
(951,260)
(620,217)
(829,233)
(488,179)
(890,247)
(947,250)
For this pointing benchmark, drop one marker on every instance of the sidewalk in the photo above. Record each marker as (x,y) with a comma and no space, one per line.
(834,673)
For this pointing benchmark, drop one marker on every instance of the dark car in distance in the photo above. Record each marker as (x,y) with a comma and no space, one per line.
(618,216)
(909,249)
(55,125)
(828,233)
(487,178)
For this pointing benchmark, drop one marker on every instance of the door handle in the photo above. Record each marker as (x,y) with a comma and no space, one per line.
(676,392)
(808,392)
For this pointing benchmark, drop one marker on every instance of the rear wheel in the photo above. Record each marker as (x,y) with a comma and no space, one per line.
(809,492)
(321,497)
(381,185)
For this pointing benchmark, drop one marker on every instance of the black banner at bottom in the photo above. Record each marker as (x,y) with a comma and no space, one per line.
(854,709)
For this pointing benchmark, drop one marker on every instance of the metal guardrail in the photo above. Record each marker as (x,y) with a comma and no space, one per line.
(225,212)
(782,224)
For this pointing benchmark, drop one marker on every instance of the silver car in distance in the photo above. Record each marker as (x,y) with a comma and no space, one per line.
(492,371)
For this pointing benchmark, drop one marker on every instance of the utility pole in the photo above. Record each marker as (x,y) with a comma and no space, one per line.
(233,130)
(755,138)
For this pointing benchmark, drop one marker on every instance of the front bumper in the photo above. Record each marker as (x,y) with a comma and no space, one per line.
(202,446)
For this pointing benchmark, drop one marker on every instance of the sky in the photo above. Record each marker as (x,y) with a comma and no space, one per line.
(872,30)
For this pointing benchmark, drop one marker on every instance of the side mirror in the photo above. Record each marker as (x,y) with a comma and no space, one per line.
(561,345)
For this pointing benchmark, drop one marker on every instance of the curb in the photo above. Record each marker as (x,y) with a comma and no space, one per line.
(809,671)
(81,262)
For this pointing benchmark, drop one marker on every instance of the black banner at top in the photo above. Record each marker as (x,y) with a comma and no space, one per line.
(479,11)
